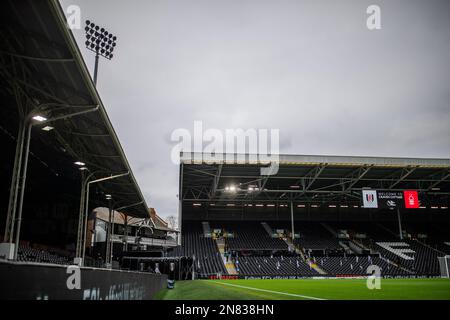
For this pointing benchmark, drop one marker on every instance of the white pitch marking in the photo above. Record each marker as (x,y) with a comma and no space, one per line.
(270,291)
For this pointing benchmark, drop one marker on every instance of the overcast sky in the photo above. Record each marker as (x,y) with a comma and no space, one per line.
(309,68)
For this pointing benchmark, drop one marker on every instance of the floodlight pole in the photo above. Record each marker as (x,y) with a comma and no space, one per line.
(96,68)
(101,42)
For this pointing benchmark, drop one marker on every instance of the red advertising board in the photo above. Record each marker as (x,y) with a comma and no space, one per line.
(411,199)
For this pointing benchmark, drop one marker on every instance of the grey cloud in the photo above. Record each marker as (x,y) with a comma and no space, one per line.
(308,68)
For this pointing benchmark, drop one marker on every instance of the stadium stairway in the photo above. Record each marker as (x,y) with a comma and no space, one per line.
(315,266)
(221,246)
(348,248)
(361,245)
(387,230)
(267,228)
(396,265)
(231,268)
(330,229)
(311,263)
(292,246)
(308,261)
(206,229)
(229,265)
(354,244)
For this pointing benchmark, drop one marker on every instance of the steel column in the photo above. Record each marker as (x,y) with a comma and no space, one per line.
(399,224)
(80,215)
(180,204)
(125,248)
(22,190)
(86,208)
(10,219)
(108,233)
(22,178)
(292,222)
(111,247)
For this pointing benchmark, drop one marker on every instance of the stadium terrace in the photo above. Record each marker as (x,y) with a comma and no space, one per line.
(310,220)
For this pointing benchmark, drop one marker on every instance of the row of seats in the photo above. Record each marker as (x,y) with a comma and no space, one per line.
(418,258)
(443,247)
(372,229)
(194,244)
(381,238)
(437,234)
(318,244)
(29,254)
(250,236)
(355,265)
(273,266)
(313,236)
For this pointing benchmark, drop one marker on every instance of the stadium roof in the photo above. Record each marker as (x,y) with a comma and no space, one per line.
(238,179)
(42,72)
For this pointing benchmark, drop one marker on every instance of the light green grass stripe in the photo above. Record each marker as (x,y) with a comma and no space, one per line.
(269,291)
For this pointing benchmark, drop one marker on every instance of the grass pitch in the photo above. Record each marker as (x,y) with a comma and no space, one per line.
(308,289)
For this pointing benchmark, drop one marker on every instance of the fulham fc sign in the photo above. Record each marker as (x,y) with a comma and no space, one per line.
(370,199)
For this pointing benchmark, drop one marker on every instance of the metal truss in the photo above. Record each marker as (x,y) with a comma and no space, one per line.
(202,184)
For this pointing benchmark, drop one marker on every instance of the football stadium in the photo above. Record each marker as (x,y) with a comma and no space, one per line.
(76,226)
(313,230)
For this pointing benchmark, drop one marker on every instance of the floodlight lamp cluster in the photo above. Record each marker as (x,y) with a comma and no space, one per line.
(231,188)
(99,40)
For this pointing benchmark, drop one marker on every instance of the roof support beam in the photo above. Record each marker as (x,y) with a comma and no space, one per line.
(439,181)
(405,173)
(216,181)
(317,171)
(361,173)
(313,176)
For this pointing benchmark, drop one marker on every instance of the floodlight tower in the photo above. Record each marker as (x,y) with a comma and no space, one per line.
(101,42)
